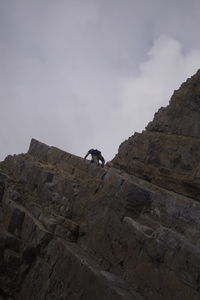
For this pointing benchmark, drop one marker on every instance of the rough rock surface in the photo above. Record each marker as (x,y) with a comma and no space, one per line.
(167,153)
(70,230)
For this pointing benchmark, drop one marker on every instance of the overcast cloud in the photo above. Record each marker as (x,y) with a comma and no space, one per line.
(79,74)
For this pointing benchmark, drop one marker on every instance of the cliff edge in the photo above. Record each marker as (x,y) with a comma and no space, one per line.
(70,230)
(167,152)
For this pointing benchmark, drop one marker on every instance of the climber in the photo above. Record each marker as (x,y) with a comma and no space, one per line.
(96,157)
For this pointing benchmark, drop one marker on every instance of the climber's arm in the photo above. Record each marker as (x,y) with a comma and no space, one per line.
(86,155)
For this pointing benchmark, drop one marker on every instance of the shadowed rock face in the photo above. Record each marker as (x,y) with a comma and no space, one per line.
(70,230)
(167,152)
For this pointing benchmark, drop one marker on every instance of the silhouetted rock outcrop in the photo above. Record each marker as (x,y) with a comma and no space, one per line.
(167,152)
(72,230)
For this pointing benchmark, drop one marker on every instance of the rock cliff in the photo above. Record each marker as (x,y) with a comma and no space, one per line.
(70,230)
(167,152)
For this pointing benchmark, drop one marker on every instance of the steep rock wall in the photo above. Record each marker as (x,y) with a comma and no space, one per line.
(167,153)
(72,230)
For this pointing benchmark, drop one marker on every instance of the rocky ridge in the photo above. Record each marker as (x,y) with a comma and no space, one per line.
(167,152)
(72,230)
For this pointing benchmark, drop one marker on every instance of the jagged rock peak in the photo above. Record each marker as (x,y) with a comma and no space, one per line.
(167,153)
(182,115)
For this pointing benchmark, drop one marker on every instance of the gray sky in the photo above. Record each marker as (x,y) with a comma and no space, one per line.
(79,74)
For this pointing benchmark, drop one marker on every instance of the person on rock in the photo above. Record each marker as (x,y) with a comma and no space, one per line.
(96,157)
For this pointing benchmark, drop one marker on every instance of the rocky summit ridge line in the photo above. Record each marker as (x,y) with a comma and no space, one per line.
(70,230)
(167,152)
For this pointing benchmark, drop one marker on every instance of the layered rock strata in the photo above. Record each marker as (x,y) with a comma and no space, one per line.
(167,152)
(72,230)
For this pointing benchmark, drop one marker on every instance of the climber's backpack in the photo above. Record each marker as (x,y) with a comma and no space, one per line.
(95,152)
